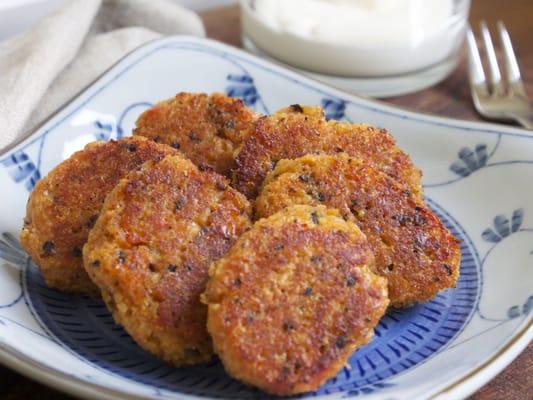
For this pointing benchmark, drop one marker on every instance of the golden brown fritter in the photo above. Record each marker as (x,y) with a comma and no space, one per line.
(206,129)
(292,299)
(296,131)
(413,249)
(64,205)
(150,249)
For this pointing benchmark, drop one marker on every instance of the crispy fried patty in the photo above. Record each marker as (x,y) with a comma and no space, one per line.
(292,299)
(296,131)
(149,251)
(64,206)
(207,129)
(414,251)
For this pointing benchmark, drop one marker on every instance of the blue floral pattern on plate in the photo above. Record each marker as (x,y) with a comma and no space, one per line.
(22,170)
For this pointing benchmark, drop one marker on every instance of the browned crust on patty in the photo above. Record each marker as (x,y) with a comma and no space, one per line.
(64,206)
(292,300)
(296,131)
(413,249)
(158,232)
(206,129)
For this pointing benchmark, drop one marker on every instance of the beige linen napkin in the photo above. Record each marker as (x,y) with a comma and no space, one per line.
(44,67)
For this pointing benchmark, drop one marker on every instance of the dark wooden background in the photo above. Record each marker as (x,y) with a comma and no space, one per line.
(449,98)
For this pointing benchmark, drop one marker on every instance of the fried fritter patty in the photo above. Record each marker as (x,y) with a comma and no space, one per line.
(65,204)
(207,129)
(296,131)
(150,249)
(292,299)
(413,249)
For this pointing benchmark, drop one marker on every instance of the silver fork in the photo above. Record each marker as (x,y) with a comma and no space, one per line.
(499,99)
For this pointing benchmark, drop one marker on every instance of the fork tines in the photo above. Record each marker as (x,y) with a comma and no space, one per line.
(497,97)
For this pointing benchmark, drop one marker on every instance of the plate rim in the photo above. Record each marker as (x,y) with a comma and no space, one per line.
(461,387)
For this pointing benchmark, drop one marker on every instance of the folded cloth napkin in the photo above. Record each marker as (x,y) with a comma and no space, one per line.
(42,68)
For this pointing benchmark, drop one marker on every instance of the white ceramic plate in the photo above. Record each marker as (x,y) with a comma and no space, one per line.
(477,179)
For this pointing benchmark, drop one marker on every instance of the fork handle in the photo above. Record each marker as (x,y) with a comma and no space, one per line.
(526,120)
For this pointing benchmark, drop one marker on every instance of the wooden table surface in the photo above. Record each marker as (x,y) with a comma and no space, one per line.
(449,98)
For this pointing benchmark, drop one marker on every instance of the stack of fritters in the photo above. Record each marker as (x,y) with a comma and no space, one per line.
(341,231)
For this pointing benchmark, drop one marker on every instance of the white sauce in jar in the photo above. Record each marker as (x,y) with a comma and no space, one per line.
(369,23)
(405,34)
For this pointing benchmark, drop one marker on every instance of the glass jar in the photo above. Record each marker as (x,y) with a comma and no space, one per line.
(392,45)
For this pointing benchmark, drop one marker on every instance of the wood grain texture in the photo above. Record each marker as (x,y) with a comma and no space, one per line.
(449,98)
